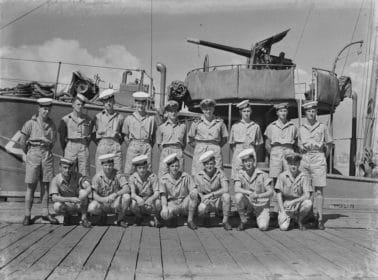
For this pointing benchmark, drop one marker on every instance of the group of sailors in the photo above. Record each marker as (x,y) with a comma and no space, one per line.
(297,168)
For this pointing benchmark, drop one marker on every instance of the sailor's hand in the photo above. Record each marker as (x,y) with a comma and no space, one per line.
(253,195)
(24,157)
(75,200)
(112,197)
(207,196)
(149,201)
(139,201)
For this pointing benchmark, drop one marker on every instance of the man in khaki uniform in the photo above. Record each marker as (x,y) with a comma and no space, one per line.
(212,185)
(108,131)
(244,134)
(171,136)
(315,143)
(69,191)
(139,130)
(38,136)
(145,197)
(293,194)
(281,136)
(207,134)
(253,190)
(111,192)
(178,192)
(75,132)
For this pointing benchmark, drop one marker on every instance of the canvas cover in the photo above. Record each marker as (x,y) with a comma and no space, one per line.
(264,85)
(327,87)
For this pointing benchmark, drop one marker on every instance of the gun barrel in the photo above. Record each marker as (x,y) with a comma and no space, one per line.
(238,51)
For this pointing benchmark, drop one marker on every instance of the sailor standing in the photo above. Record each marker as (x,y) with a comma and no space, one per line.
(314,142)
(39,135)
(207,134)
(281,136)
(75,132)
(171,136)
(108,131)
(139,130)
(244,134)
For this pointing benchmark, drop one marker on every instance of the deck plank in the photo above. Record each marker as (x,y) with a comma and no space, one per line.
(174,262)
(149,264)
(364,240)
(46,265)
(9,228)
(307,254)
(17,235)
(73,263)
(98,263)
(35,251)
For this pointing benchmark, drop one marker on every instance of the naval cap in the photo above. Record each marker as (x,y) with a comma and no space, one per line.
(140,95)
(106,158)
(243,104)
(247,153)
(81,97)
(171,105)
(66,161)
(170,158)
(105,94)
(310,105)
(293,157)
(206,156)
(207,102)
(139,159)
(283,105)
(44,101)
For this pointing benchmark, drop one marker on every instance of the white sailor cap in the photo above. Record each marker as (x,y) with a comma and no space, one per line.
(44,101)
(247,153)
(140,95)
(243,104)
(170,158)
(106,158)
(293,157)
(171,105)
(106,94)
(310,105)
(66,161)
(206,156)
(207,102)
(139,159)
(279,106)
(82,98)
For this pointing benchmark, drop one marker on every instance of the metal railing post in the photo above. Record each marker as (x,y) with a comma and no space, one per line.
(57,79)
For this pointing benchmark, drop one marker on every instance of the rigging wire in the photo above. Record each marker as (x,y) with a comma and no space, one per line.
(303,30)
(23,15)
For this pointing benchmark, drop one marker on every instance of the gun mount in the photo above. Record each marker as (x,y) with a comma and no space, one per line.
(259,56)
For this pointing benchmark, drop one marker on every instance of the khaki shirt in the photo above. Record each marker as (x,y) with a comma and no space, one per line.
(74,128)
(202,130)
(59,185)
(108,126)
(207,185)
(106,186)
(171,133)
(139,128)
(314,137)
(292,188)
(144,188)
(176,189)
(258,183)
(280,133)
(248,133)
(36,130)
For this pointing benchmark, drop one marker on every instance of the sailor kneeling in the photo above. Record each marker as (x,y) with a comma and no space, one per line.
(253,190)
(69,191)
(178,192)
(144,191)
(293,194)
(212,186)
(111,192)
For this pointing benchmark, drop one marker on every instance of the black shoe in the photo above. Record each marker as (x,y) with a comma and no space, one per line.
(227,226)
(321,225)
(192,225)
(67,220)
(27,221)
(206,222)
(51,219)
(172,222)
(86,223)
(242,226)
(102,220)
(138,220)
(122,224)
(155,223)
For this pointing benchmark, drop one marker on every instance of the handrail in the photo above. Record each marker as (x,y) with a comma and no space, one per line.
(242,65)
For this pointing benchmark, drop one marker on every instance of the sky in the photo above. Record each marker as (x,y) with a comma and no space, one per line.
(132,34)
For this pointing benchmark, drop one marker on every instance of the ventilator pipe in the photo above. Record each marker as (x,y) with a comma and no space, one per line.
(163,76)
(353,141)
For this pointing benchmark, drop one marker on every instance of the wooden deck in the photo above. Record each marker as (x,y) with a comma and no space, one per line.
(347,249)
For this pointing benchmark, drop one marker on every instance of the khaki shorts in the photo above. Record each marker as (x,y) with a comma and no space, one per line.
(314,165)
(277,162)
(39,165)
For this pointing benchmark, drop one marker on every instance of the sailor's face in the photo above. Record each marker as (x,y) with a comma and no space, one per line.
(142,169)
(209,165)
(246,113)
(311,114)
(282,114)
(293,167)
(108,167)
(66,169)
(140,105)
(208,111)
(174,168)
(248,163)
(78,105)
(44,111)
(109,103)
(172,115)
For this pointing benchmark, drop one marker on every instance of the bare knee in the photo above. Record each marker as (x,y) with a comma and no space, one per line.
(59,207)
(238,197)
(194,195)
(94,208)
(202,209)
(83,194)
(226,197)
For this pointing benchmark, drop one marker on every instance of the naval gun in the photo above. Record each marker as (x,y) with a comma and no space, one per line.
(259,56)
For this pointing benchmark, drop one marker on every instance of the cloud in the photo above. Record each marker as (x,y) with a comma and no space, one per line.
(65,51)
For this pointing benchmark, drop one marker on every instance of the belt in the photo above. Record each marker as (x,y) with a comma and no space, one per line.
(79,140)
(110,138)
(40,144)
(214,142)
(313,151)
(141,141)
(282,145)
(179,146)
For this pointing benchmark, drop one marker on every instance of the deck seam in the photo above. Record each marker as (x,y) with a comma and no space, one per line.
(115,251)
(161,256)
(137,257)
(22,237)
(183,253)
(358,244)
